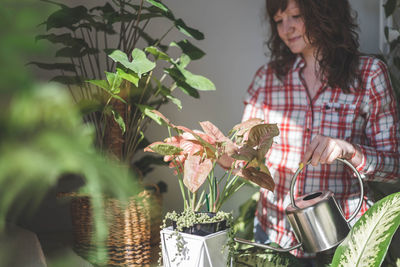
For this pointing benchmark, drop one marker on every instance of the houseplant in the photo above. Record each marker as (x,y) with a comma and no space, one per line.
(195,154)
(117,71)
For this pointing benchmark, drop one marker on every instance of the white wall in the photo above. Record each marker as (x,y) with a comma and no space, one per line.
(234,34)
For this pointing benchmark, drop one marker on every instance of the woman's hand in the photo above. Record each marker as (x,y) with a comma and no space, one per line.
(325,150)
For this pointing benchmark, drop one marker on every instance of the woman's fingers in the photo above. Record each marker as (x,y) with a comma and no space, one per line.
(324,149)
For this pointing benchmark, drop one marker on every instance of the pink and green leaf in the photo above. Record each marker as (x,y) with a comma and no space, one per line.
(213,131)
(242,127)
(196,171)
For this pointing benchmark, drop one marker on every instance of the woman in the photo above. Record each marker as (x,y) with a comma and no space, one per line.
(329,101)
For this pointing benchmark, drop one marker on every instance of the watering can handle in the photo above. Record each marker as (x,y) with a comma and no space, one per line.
(244,241)
(346,163)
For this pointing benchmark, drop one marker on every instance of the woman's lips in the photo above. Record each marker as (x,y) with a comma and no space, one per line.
(294,39)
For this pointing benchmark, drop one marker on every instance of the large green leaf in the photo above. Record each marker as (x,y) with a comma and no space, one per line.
(368,241)
(140,64)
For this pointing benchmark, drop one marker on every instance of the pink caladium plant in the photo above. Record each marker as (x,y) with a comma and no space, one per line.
(194,154)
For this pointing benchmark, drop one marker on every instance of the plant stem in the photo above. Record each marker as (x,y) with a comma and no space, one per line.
(194,201)
(199,202)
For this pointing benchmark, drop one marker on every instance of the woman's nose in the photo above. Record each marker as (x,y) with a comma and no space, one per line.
(287,26)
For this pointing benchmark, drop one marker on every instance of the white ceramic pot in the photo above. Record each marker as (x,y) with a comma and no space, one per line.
(198,251)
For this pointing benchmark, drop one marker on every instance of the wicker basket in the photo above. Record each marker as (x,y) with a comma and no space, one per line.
(133,229)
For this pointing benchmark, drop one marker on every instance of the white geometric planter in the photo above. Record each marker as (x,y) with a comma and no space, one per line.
(199,251)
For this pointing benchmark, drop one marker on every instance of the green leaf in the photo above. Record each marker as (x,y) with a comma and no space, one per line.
(175,100)
(189,49)
(158,5)
(182,27)
(146,110)
(369,239)
(114,81)
(131,77)
(390,7)
(184,60)
(157,53)
(101,83)
(166,92)
(140,64)
(196,81)
(119,120)
(178,77)
(119,98)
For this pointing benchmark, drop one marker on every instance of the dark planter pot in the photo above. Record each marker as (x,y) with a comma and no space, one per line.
(203,229)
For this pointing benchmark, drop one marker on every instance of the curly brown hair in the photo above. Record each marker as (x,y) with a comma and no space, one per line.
(331,28)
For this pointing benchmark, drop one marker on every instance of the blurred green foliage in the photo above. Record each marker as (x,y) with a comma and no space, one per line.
(42,135)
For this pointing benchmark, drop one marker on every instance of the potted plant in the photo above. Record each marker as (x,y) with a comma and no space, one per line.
(117,72)
(194,155)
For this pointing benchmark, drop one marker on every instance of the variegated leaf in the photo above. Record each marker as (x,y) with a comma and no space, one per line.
(163,149)
(246,125)
(212,130)
(258,177)
(259,133)
(263,149)
(369,239)
(246,153)
(195,172)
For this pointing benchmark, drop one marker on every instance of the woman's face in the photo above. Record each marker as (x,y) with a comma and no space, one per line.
(291,29)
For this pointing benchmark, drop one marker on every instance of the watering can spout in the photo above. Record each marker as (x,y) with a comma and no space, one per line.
(247,242)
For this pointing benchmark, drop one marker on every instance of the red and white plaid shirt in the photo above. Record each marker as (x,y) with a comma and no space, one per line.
(366,117)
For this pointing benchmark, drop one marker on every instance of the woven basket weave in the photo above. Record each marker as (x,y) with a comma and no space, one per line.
(133,229)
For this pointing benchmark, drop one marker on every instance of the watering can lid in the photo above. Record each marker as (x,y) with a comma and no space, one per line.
(309,200)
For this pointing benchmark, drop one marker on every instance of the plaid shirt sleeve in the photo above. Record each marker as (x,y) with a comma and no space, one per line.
(381,159)
(253,99)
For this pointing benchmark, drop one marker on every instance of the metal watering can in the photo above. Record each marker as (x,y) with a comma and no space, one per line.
(316,218)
